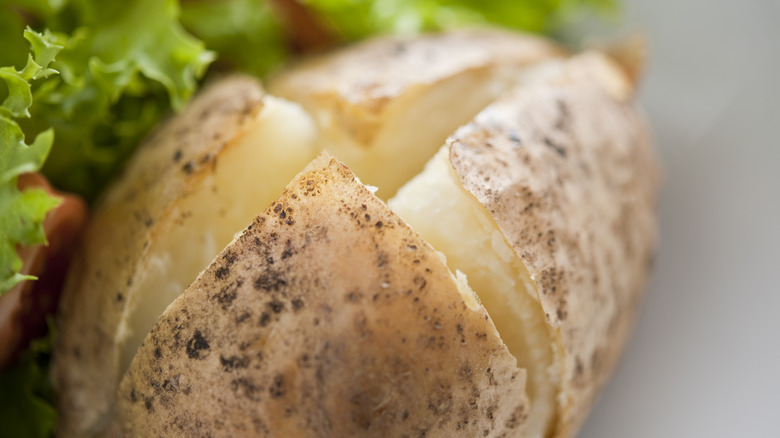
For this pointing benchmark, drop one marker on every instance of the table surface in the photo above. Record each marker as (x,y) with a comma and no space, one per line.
(704,360)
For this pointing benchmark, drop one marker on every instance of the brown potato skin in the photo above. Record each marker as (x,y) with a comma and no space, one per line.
(86,360)
(567,170)
(327,316)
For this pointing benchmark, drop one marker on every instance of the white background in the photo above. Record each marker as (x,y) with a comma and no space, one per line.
(704,360)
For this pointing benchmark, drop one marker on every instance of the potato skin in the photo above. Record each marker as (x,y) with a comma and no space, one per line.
(567,170)
(86,358)
(327,316)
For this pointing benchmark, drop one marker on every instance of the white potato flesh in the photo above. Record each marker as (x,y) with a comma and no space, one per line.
(414,126)
(249,175)
(435,204)
(386,105)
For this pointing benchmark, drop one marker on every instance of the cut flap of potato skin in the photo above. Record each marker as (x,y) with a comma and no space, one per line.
(327,316)
(567,170)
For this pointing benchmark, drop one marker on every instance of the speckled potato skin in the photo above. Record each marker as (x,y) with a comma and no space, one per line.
(567,170)
(327,317)
(86,368)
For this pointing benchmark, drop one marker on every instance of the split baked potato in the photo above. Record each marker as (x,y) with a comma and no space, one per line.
(492,296)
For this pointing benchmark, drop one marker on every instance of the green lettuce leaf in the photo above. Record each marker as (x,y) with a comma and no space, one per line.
(22,212)
(245,33)
(356,19)
(122,66)
(126,64)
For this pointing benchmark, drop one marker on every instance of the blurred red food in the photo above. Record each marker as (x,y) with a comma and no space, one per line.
(24,308)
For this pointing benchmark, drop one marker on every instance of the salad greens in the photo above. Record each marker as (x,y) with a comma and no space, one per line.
(125,64)
(83,81)
(245,33)
(100,76)
(359,18)
(22,212)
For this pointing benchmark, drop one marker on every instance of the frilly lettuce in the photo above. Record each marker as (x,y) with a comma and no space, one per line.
(125,65)
(122,65)
(22,212)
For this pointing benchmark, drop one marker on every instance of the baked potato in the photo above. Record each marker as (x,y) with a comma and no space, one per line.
(541,200)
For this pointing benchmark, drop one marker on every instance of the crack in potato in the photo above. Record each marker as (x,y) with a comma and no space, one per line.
(435,205)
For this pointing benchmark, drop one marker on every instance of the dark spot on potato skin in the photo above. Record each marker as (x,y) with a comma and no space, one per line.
(243,317)
(515,139)
(382,260)
(157,353)
(197,346)
(276,306)
(171,384)
(518,418)
(353,297)
(555,147)
(246,387)
(270,281)
(188,167)
(229,258)
(265,319)
(277,389)
(222,272)
(149,405)
(233,362)
(227,295)
(297,304)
